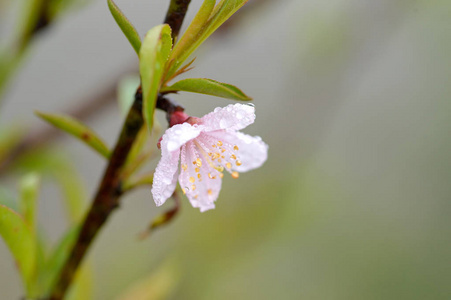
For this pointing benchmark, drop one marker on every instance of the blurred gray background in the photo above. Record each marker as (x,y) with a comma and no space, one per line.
(352,97)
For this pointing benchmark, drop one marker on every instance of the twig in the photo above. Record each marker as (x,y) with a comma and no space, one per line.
(175,15)
(110,189)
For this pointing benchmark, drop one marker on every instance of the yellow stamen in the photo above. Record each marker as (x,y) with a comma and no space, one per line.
(236,148)
(191,179)
(219,143)
(199,176)
(223,150)
(197,170)
(228,165)
(235,175)
(193,187)
(184,167)
(184,191)
(210,192)
(238,163)
(199,162)
(233,156)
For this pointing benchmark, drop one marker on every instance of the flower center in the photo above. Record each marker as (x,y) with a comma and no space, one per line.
(214,154)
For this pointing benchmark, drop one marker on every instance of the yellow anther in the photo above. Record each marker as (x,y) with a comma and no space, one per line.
(233,156)
(238,163)
(199,176)
(191,179)
(219,160)
(223,150)
(235,175)
(219,168)
(195,197)
(236,148)
(228,165)
(199,162)
(194,162)
(184,191)
(219,143)
(210,176)
(222,156)
(214,146)
(210,192)
(197,170)
(221,175)
(184,167)
(210,154)
(193,187)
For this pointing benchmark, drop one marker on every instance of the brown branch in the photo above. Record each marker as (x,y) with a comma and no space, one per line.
(106,199)
(110,189)
(175,15)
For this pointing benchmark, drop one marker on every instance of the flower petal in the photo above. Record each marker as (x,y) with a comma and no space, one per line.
(233,116)
(165,177)
(200,182)
(249,152)
(178,135)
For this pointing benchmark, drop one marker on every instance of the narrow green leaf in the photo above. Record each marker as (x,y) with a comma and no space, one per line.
(204,28)
(81,289)
(125,25)
(126,93)
(208,87)
(77,129)
(153,56)
(57,258)
(29,190)
(190,35)
(60,168)
(20,241)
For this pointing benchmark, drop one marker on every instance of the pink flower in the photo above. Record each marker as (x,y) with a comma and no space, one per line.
(205,148)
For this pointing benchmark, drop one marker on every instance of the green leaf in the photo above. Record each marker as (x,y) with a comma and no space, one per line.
(208,87)
(126,93)
(200,29)
(60,167)
(29,190)
(190,35)
(21,243)
(153,55)
(77,129)
(81,287)
(58,258)
(125,25)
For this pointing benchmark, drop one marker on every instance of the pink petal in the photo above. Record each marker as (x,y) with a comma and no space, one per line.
(165,177)
(178,135)
(244,152)
(233,116)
